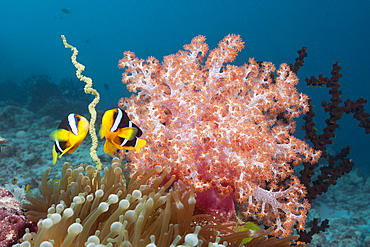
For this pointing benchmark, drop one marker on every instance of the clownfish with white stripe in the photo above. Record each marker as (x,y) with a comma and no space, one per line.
(120,132)
(69,135)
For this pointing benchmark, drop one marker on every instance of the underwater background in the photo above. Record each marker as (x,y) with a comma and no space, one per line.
(38,86)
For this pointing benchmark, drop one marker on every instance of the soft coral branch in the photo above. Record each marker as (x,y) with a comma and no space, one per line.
(225,127)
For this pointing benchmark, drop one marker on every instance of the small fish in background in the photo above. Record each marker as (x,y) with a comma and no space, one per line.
(14,181)
(27,189)
(66,11)
(56,181)
(106,86)
(301,243)
(120,132)
(69,135)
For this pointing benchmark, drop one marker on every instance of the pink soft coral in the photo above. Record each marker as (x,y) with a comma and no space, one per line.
(225,127)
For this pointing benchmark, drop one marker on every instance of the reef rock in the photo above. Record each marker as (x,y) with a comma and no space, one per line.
(13,222)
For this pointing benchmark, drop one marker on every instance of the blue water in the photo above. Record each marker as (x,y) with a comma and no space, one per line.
(30,43)
(272,31)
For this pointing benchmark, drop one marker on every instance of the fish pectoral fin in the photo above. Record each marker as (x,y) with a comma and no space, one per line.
(55,155)
(109,147)
(60,135)
(139,144)
(75,141)
(127,133)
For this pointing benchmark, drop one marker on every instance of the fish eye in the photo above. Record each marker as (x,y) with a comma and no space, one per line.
(78,118)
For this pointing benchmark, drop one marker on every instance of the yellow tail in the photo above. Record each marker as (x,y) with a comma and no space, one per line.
(139,144)
(55,155)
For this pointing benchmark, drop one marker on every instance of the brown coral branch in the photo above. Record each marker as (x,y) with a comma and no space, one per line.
(2,143)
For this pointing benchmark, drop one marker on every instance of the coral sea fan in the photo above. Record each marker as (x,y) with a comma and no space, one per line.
(224,127)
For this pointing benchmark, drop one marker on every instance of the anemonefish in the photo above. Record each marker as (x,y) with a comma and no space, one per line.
(120,132)
(27,189)
(69,135)
(301,243)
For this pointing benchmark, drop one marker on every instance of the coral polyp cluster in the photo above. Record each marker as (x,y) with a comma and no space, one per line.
(81,210)
(227,128)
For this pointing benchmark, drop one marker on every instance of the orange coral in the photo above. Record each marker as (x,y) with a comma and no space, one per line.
(225,127)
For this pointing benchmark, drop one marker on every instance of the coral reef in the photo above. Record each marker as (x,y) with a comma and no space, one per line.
(41,91)
(3,143)
(192,114)
(13,93)
(330,171)
(83,210)
(72,89)
(13,221)
(227,128)
(16,117)
(41,95)
(210,203)
(19,193)
(334,109)
(343,233)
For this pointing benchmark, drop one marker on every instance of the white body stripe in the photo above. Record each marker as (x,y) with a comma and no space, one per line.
(58,146)
(72,123)
(126,140)
(117,121)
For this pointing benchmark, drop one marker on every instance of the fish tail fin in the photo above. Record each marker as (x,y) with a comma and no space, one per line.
(128,133)
(55,155)
(139,144)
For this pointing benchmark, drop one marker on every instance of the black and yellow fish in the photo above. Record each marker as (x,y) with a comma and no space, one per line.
(120,132)
(70,133)
(27,189)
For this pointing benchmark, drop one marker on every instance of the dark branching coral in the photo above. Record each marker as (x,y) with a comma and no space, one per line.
(41,90)
(331,172)
(82,210)
(315,228)
(12,93)
(335,110)
(42,96)
(73,90)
